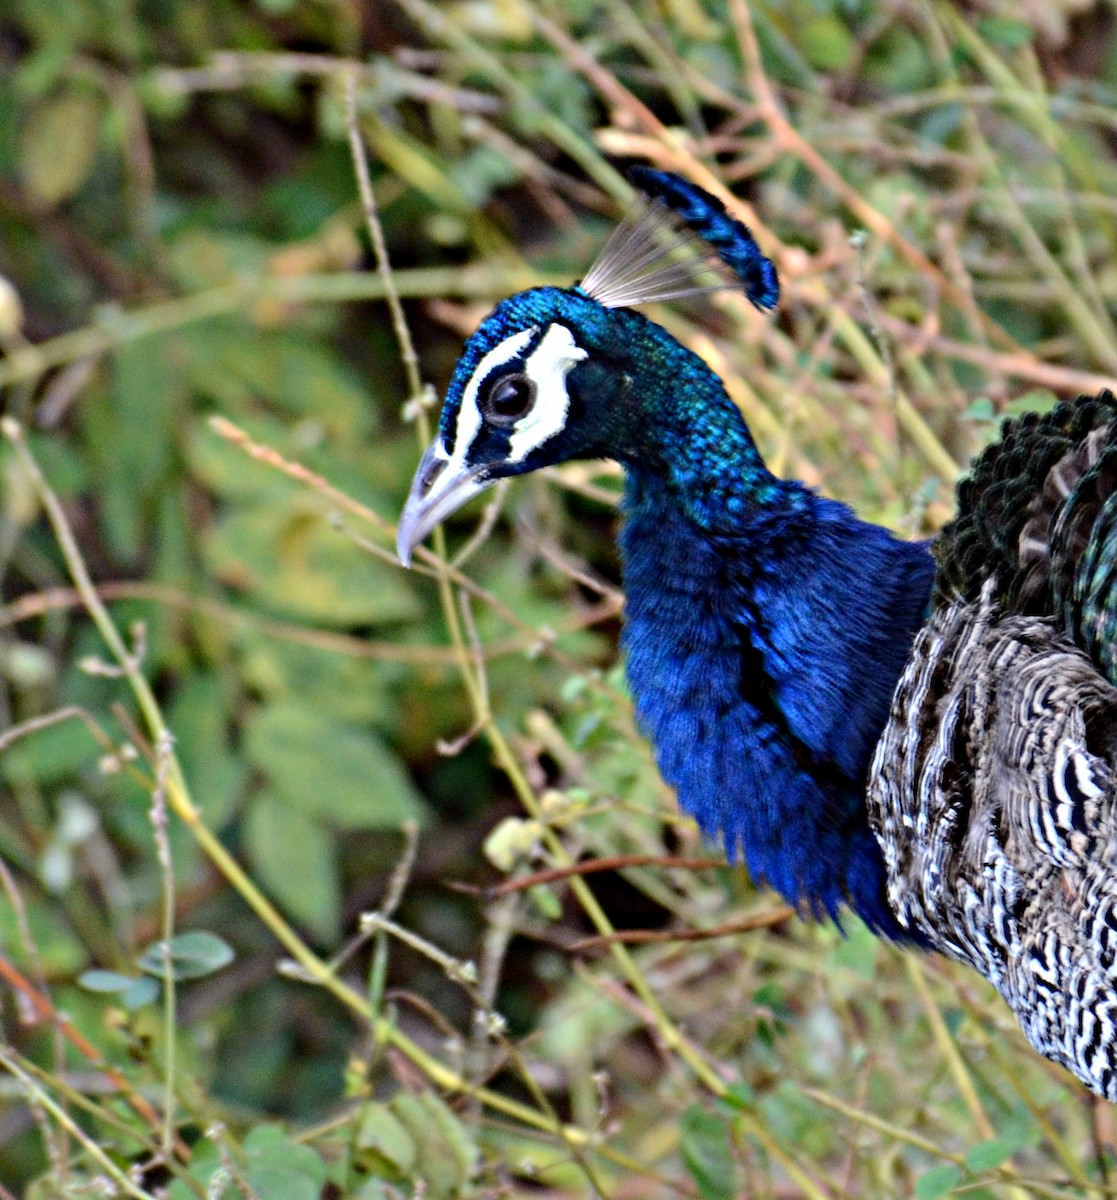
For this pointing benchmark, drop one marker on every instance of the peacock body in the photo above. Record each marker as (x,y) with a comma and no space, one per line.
(954,788)
(994,784)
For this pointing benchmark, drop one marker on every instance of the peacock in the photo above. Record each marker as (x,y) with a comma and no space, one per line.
(845,710)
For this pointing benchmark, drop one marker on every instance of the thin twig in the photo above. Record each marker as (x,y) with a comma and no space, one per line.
(164,749)
(41,1097)
(949,1049)
(69,712)
(612,862)
(30,362)
(631,937)
(408,357)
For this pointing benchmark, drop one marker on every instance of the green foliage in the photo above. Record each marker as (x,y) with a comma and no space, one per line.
(418,1137)
(937,1182)
(707,1153)
(59,144)
(985,1156)
(272,1165)
(182,238)
(192,955)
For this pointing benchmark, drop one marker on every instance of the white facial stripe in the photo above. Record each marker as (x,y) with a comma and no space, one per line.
(469,415)
(547,367)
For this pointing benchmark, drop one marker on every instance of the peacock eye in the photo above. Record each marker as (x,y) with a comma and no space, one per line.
(508,399)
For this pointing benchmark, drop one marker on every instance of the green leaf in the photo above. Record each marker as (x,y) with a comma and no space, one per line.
(199,717)
(353,691)
(858,950)
(384,1142)
(142,991)
(828,43)
(98,980)
(53,946)
(294,857)
(376,1189)
(330,771)
(64,464)
(483,171)
(980,410)
(1005,32)
(446,1155)
(771,995)
(58,146)
(205,1162)
(986,1156)
(288,556)
(707,1153)
(192,955)
(234,363)
(40,69)
(938,1181)
(131,438)
(50,755)
(226,470)
(280,1169)
(312,381)
(740,1095)
(204,255)
(1038,400)
(547,903)
(942,123)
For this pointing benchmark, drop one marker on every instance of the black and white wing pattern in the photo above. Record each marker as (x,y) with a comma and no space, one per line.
(992,793)
(993,789)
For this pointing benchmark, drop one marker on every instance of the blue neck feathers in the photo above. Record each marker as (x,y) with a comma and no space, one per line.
(766,629)
(698,443)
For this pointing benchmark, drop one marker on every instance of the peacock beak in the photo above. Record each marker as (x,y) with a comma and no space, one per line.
(442,484)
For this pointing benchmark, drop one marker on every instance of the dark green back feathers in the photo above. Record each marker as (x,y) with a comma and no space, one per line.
(1038,514)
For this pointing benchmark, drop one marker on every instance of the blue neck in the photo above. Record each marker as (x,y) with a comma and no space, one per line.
(766,629)
(694,439)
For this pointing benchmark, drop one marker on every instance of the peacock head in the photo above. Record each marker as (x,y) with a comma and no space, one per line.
(553,374)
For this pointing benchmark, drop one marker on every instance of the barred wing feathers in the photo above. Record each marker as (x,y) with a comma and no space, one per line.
(993,788)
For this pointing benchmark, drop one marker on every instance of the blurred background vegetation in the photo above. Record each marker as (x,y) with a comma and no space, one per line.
(182,238)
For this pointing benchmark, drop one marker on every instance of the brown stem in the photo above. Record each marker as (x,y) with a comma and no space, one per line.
(764,920)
